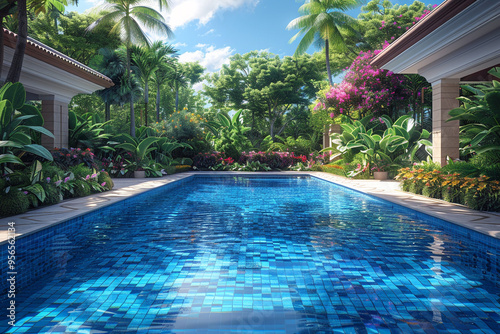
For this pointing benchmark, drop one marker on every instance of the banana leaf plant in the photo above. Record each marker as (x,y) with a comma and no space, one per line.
(481,114)
(88,131)
(165,149)
(18,121)
(400,141)
(139,149)
(228,134)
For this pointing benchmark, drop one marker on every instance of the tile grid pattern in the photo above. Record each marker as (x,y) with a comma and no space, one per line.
(259,255)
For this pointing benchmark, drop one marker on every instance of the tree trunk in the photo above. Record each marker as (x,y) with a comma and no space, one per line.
(271,125)
(22,38)
(1,45)
(129,78)
(107,111)
(327,56)
(158,103)
(176,97)
(146,101)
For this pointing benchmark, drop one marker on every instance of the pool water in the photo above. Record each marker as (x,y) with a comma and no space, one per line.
(266,255)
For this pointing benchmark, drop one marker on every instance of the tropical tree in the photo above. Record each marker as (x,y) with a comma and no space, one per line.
(325,23)
(177,80)
(266,85)
(8,8)
(71,37)
(163,54)
(149,60)
(112,65)
(129,16)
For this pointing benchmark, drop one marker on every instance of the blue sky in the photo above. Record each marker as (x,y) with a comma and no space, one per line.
(210,31)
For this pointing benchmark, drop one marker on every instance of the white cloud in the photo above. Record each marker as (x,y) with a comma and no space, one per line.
(200,45)
(199,85)
(209,57)
(179,45)
(211,31)
(183,12)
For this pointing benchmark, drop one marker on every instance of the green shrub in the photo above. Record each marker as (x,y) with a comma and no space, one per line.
(104,177)
(80,171)
(462,168)
(451,194)
(52,194)
(81,188)
(431,191)
(52,171)
(334,169)
(19,178)
(482,200)
(416,188)
(491,171)
(13,203)
(33,200)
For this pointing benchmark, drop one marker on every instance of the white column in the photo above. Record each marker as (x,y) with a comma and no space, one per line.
(444,134)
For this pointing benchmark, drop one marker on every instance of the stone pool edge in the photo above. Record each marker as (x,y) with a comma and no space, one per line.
(36,220)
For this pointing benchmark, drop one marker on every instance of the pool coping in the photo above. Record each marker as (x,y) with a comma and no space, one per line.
(39,219)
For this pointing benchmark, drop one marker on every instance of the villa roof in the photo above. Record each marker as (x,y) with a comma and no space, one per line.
(436,18)
(55,58)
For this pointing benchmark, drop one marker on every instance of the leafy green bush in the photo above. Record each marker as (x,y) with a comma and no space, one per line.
(104,178)
(13,203)
(18,178)
(334,169)
(81,171)
(206,161)
(52,194)
(81,188)
(462,168)
(66,158)
(300,145)
(18,122)
(481,132)
(52,171)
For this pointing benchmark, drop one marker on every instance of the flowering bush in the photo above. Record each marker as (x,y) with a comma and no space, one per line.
(118,166)
(274,160)
(207,161)
(364,89)
(478,193)
(65,157)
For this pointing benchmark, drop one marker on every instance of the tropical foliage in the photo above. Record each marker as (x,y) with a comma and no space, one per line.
(19,123)
(480,116)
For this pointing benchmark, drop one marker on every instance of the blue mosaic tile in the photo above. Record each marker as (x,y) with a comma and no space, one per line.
(257,255)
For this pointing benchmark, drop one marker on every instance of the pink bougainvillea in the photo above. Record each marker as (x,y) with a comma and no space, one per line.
(365,89)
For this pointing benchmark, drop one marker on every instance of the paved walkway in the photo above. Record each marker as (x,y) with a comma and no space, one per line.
(35,220)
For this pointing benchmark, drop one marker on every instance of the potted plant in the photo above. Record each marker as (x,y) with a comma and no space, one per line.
(139,173)
(139,151)
(379,170)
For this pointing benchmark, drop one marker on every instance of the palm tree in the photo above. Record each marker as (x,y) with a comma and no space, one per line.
(112,65)
(163,56)
(177,80)
(148,61)
(325,23)
(128,16)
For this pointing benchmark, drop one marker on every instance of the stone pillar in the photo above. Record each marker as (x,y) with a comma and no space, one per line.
(330,129)
(444,134)
(55,115)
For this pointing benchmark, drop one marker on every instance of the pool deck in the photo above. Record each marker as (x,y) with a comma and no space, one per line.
(35,220)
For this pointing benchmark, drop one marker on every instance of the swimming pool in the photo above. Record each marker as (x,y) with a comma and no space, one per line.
(258,254)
